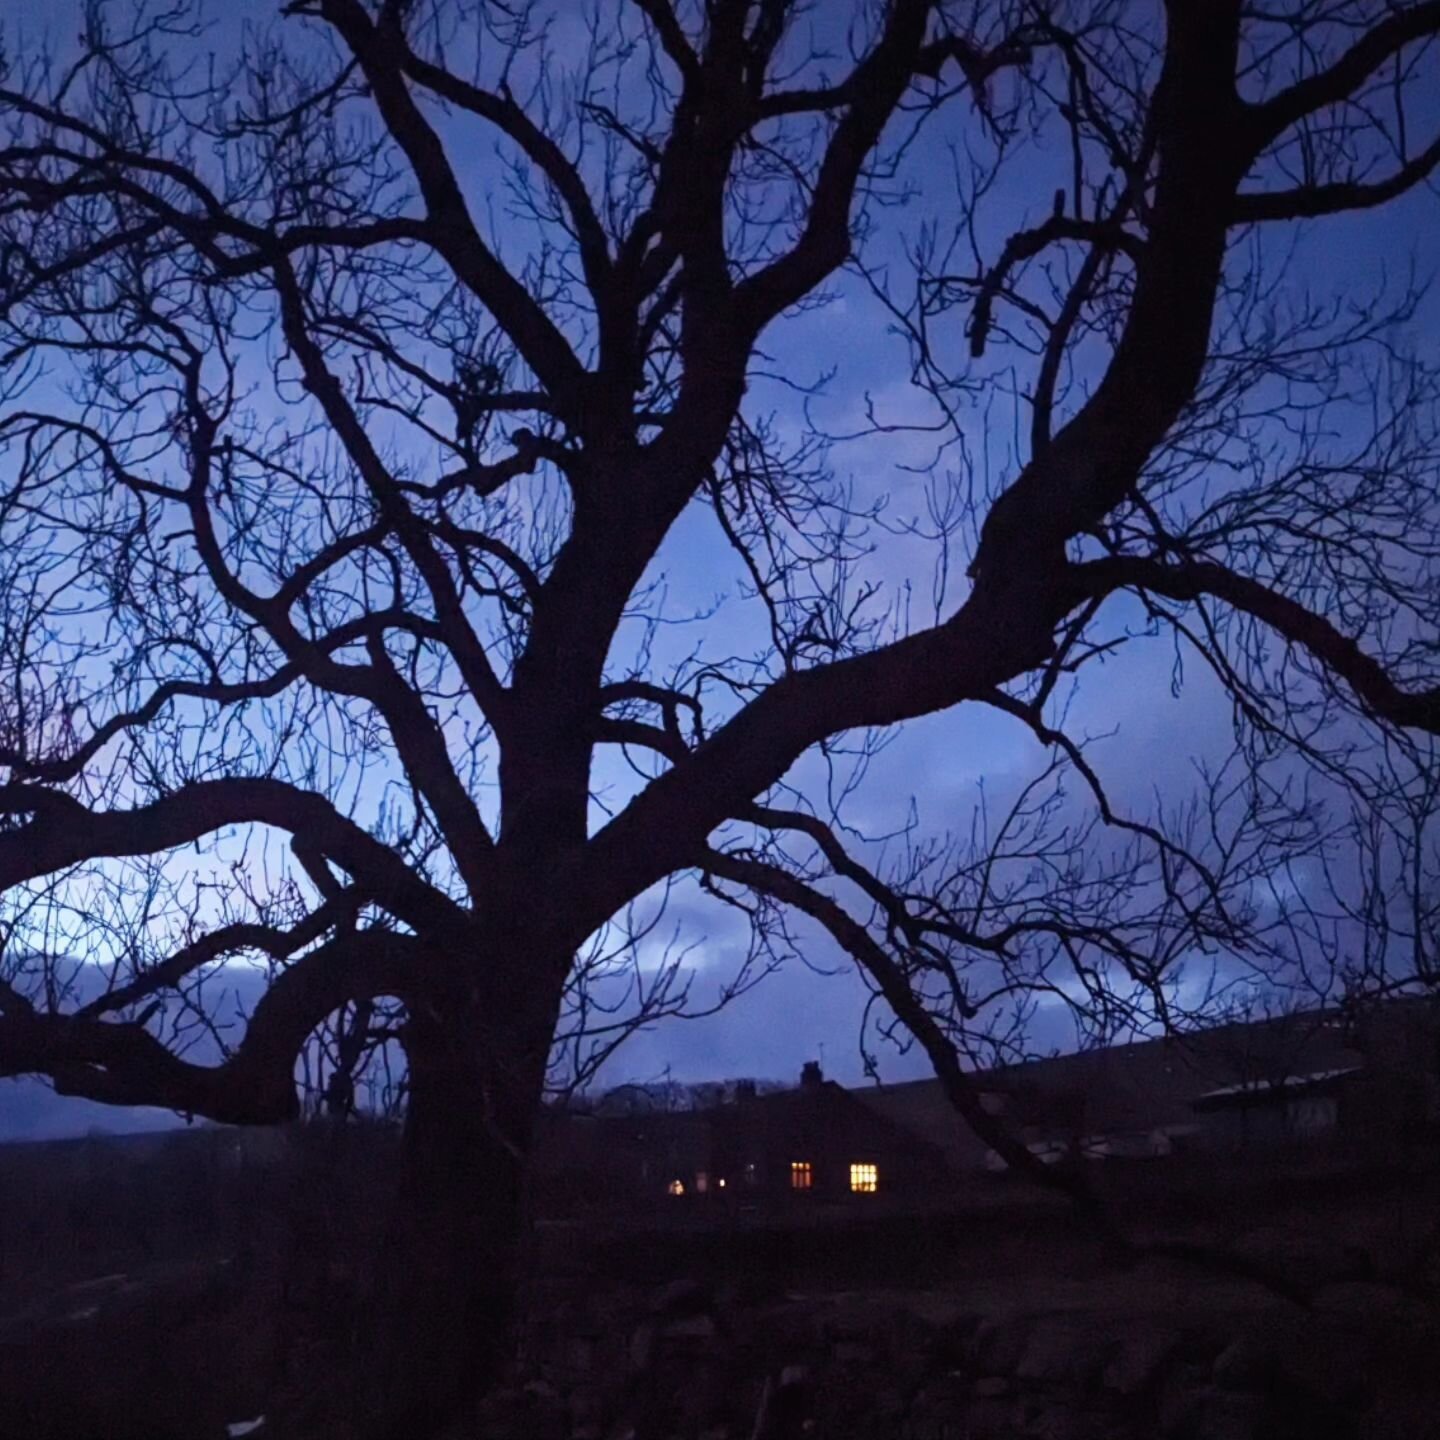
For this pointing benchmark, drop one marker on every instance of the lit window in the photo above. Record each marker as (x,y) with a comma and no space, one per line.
(676,1187)
(802,1176)
(721,1182)
(702,1182)
(864,1179)
(752,1173)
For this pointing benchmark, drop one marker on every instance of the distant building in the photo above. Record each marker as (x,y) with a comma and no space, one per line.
(1275,1111)
(1236,1088)
(1290,1079)
(818,1143)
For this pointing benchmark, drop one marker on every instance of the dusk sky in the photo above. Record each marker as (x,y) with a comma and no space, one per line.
(1149,738)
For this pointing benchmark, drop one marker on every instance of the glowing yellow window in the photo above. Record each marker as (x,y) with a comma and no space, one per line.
(676,1187)
(865,1179)
(802,1175)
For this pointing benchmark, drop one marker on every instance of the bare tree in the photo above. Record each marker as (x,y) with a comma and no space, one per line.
(338,465)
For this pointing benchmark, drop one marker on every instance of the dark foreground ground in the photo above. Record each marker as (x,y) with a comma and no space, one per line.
(988,1316)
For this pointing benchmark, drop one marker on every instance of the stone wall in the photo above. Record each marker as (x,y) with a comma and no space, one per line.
(692,1362)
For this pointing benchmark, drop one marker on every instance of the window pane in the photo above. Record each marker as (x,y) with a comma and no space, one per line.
(865,1179)
(801,1175)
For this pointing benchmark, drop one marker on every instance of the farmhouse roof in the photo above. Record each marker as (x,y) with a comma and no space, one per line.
(1145,1086)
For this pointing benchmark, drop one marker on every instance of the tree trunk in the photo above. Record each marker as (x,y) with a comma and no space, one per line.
(447,1321)
(435,1332)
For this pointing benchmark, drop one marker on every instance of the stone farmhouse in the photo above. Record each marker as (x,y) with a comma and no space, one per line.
(1244,1087)
(816,1144)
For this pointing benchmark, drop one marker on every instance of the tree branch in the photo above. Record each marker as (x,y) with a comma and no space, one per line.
(672,39)
(1309,201)
(1103,236)
(122,1063)
(227,940)
(451,228)
(960,1089)
(505,114)
(1371,683)
(62,832)
(878,83)
(1404,25)
(965,1094)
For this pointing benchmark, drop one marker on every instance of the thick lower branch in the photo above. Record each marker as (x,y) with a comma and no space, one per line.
(123,1063)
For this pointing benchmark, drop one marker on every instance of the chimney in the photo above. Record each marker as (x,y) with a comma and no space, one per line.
(811,1076)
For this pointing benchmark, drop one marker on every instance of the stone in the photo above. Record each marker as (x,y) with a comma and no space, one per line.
(693,1327)
(580,1353)
(1068,1422)
(943,1398)
(1182,1391)
(682,1297)
(1371,1304)
(849,1325)
(1137,1358)
(983,1420)
(1403,1410)
(1246,1363)
(1060,1351)
(642,1346)
(1301,1255)
(523,1415)
(1219,1414)
(936,1310)
(1329,1363)
(999,1344)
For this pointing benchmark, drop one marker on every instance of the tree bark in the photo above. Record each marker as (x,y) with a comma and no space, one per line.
(447,1298)
(447,1314)
(436,1328)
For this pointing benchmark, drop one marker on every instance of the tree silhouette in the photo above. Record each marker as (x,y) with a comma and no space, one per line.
(338,462)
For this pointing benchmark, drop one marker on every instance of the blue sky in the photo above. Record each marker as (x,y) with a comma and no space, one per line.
(1152,737)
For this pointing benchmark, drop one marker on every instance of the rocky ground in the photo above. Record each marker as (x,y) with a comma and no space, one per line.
(171,1351)
(991,1323)
(1162,1358)
(1151,1356)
